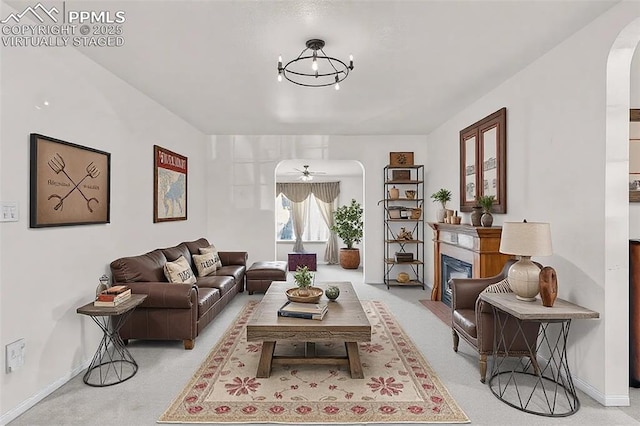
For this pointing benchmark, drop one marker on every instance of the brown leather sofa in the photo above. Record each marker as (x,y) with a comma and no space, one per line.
(177,311)
(473,320)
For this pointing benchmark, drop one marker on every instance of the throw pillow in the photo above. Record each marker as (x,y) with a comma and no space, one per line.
(179,272)
(214,250)
(205,264)
(499,287)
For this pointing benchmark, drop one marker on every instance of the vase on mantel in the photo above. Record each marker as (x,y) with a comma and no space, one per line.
(486,220)
(476,216)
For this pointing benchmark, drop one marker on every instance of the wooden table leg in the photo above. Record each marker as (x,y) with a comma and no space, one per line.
(264,365)
(354,360)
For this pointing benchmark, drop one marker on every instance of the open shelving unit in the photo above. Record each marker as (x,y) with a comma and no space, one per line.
(403,178)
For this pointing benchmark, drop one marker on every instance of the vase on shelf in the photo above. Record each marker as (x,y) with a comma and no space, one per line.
(486,220)
(394,193)
(476,216)
(441,213)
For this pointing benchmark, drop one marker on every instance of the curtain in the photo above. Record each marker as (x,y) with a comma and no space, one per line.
(326,194)
(298,194)
(299,212)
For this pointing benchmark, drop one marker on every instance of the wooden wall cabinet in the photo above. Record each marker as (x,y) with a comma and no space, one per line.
(483,162)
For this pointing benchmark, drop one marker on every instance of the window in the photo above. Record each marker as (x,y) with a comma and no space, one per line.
(315,229)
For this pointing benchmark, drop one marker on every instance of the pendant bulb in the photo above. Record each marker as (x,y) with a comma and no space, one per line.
(314,65)
(279,77)
(351,61)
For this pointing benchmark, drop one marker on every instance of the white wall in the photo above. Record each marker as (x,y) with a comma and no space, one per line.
(241,186)
(45,274)
(556,111)
(634,208)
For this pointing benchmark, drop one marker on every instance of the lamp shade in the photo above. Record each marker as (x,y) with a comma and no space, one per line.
(526,239)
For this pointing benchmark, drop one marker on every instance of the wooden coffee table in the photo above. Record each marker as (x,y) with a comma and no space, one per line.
(345,321)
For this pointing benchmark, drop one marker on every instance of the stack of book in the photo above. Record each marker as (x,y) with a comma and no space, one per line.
(113,296)
(303,310)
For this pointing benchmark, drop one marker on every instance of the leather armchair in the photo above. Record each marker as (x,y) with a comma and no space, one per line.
(474,321)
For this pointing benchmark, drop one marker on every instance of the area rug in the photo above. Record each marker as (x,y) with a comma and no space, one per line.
(399,385)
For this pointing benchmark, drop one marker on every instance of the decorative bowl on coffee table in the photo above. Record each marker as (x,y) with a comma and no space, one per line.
(313,297)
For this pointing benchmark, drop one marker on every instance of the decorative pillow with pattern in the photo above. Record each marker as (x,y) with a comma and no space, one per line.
(499,287)
(214,250)
(179,272)
(205,263)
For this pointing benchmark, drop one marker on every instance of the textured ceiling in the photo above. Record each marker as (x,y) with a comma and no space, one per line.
(213,63)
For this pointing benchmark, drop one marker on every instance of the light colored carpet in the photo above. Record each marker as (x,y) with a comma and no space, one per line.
(399,385)
(165,368)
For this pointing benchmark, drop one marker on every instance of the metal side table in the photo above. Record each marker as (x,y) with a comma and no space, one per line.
(544,386)
(112,362)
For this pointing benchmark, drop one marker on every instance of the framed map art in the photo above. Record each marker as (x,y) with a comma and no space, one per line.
(169,185)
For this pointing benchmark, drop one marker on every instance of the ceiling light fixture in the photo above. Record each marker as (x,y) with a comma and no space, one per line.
(321,72)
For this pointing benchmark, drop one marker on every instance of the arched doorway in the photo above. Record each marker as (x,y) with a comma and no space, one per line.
(350,175)
(617,209)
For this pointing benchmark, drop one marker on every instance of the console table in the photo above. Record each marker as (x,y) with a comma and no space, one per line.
(474,245)
(112,362)
(544,386)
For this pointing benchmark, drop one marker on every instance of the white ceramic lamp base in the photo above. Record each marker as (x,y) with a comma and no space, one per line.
(524,279)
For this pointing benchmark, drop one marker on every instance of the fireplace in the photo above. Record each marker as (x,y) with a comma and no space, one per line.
(452,268)
(477,247)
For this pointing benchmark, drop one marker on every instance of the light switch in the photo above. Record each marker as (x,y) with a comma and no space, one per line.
(9,211)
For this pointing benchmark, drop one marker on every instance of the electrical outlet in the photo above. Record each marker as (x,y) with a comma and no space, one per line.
(15,353)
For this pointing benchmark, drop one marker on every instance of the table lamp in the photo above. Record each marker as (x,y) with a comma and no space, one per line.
(525,239)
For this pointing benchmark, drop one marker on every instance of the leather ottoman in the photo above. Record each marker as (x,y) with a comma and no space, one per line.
(302,259)
(260,274)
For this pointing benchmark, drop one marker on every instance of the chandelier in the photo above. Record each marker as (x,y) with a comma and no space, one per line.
(315,68)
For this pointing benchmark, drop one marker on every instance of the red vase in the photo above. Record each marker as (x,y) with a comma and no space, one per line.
(548,286)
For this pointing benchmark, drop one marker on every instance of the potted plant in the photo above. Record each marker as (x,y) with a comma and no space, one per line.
(303,279)
(486,202)
(348,226)
(443,196)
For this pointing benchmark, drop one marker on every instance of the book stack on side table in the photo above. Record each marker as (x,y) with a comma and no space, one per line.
(113,296)
(314,311)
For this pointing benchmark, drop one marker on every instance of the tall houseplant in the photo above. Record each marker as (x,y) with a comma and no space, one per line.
(348,226)
(442,196)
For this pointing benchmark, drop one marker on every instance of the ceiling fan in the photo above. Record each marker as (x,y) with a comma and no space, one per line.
(307,174)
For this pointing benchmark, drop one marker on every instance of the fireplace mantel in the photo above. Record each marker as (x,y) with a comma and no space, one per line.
(477,246)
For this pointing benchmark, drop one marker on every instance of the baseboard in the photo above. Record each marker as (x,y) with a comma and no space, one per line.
(606,400)
(27,404)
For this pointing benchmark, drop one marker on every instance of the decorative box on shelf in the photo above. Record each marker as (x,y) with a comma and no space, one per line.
(400,159)
(404,257)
